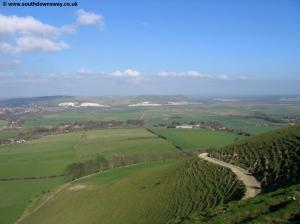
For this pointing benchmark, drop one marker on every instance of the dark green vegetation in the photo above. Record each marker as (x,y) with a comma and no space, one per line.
(147,193)
(273,158)
(281,206)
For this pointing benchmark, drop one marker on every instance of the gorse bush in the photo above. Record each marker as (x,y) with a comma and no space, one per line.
(273,158)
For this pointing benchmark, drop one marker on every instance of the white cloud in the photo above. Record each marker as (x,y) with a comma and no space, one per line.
(89,18)
(26,44)
(184,74)
(23,34)
(193,74)
(127,73)
(84,71)
(14,25)
(222,77)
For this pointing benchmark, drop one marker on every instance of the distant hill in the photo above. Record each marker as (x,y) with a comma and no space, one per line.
(148,193)
(33,100)
(273,158)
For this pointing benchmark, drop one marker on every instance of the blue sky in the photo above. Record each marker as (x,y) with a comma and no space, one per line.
(110,47)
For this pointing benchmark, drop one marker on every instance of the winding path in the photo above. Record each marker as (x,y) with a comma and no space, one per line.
(253,187)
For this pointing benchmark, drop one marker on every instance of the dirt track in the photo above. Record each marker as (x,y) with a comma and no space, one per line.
(252,185)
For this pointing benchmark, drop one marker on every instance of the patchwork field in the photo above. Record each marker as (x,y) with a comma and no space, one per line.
(147,193)
(143,175)
(84,115)
(50,155)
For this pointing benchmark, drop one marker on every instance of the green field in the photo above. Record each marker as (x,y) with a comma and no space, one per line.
(2,123)
(146,193)
(85,115)
(16,195)
(194,139)
(9,133)
(50,155)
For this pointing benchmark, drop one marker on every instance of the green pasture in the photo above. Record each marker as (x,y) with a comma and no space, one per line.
(49,155)
(69,117)
(16,195)
(146,193)
(197,138)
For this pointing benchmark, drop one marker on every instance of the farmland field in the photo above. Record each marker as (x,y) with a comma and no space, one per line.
(105,115)
(2,124)
(192,139)
(147,193)
(51,154)
(8,133)
(16,195)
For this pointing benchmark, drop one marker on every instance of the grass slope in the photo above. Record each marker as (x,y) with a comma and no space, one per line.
(50,155)
(147,193)
(273,158)
(15,196)
(281,206)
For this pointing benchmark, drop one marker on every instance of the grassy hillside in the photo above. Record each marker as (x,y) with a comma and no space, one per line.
(15,196)
(281,206)
(273,158)
(148,193)
(50,155)
(190,139)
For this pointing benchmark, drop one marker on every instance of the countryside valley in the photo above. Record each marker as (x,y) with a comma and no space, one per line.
(110,162)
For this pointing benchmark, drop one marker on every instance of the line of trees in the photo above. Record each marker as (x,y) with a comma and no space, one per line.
(80,169)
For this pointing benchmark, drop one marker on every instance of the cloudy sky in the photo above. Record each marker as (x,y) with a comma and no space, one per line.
(117,47)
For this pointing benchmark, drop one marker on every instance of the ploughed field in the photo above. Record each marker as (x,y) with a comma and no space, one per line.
(145,193)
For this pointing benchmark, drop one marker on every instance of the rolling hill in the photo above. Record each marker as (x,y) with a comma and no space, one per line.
(146,193)
(280,206)
(273,158)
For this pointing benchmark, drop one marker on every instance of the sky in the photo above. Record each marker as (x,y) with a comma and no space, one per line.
(127,47)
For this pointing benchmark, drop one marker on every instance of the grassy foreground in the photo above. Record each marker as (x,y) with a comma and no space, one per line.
(147,193)
(281,206)
(51,154)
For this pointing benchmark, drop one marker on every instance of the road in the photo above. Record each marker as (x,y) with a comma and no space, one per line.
(253,187)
